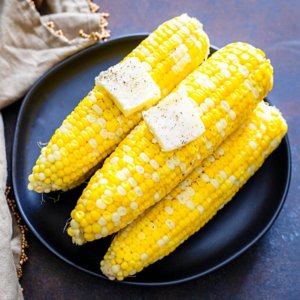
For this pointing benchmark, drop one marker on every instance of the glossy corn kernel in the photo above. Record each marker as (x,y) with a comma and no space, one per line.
(162,228)
(96,126)
(226,88)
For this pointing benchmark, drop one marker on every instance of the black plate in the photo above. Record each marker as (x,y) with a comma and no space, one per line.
(238,226)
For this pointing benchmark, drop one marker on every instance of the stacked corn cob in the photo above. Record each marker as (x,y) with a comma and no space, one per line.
(226,88)
(196,200)
(96,126)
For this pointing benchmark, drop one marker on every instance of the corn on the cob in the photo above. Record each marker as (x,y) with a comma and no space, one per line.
(226,87)
(96,126)
(196,200)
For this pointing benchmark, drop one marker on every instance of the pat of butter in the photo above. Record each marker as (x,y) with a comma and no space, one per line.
(174,121)
(130,86)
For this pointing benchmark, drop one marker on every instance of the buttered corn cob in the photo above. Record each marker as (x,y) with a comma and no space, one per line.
(226,88)
(162,228)
(96,126)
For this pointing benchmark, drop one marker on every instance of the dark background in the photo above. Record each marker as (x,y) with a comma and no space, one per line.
(271,268)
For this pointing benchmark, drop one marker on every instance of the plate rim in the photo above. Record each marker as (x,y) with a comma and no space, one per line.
(285,142)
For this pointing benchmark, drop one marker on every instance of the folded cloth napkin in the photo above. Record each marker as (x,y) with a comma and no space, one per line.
(34,35)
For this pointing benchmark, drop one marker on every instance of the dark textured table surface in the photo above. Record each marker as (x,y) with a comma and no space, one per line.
(271,268)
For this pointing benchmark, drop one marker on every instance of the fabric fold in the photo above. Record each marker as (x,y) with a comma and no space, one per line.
(30,43)
(10,241)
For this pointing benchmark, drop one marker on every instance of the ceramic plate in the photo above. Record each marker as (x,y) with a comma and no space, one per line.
(237,227)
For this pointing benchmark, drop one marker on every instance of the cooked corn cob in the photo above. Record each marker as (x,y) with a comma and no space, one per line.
(162,228)
(96,126)
(226,87)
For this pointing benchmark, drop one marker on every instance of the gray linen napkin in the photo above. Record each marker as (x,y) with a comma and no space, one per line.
(31,43)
